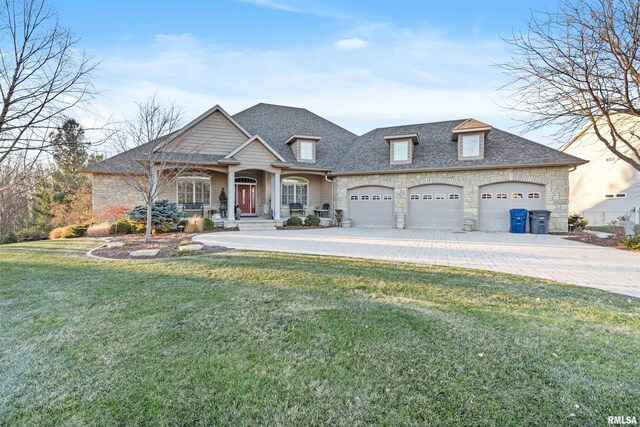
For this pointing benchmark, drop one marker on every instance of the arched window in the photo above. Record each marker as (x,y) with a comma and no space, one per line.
(295,190)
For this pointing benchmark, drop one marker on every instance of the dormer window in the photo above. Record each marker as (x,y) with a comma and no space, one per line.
(401,148)
(471,145)
(304,147)
(470,135)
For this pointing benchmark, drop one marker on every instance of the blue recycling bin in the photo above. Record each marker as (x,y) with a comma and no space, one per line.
(518,221)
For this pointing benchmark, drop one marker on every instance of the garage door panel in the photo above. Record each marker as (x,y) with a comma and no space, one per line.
(371,207)
(496,200)
(435,206)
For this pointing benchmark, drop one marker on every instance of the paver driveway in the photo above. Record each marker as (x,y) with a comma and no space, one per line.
(545,256)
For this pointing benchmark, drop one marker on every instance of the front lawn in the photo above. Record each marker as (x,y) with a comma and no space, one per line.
(245,338)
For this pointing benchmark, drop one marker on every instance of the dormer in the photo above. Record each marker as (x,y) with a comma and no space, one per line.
(304,147)
(470,135)
(401,148)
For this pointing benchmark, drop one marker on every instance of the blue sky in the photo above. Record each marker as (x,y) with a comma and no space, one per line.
(362,64)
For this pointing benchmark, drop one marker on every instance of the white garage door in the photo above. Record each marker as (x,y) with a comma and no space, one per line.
(371,207)
(435,206)
(497,199)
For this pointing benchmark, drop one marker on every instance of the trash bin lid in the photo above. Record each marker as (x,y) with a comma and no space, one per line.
(540,212)
(518,211)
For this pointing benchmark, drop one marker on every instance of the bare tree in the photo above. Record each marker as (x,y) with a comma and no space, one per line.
(153,156)
(581,66)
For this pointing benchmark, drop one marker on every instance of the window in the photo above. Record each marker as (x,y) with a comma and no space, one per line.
(354,197)
(400,151)
(364,197)
(533,196)
(454,197)
(375,197)
(440,197)
(486,196)
(427,197)
(295,190)
(501,196)
(470,145)
(386,197)
(616,196)
(610,159)
(194,189)
(306,150)
(517,196)
(415,197)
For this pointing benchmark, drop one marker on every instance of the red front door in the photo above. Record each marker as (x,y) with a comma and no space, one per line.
(246,198)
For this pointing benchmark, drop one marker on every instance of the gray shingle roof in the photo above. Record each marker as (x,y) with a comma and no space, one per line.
(436,150)
(277,123)
(341,151)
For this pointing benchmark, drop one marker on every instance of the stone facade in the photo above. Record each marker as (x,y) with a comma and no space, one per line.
(555,180)
(113,190)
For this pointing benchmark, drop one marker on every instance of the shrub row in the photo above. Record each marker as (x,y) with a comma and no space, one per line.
(28,234)
(309,221)
(632,242)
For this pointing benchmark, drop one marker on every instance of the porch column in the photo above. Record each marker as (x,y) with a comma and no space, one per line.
(276,195)
(231,196)
(272,194)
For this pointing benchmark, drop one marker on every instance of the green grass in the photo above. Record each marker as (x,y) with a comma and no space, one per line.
(245,338)
(611,229)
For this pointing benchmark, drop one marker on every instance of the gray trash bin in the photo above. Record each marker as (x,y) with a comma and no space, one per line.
(539,222)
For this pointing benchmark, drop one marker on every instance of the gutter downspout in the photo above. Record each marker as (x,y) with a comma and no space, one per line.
(333,206)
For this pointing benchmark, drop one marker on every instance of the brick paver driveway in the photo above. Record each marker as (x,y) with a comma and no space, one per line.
(548,257)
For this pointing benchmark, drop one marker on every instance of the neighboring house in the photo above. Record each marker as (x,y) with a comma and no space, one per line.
(606,187)
(459,174)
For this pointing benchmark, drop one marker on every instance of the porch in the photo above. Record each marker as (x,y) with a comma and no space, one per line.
(260,195)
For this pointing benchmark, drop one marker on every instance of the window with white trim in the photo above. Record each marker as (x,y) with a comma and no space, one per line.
(517,196)
(415,197)
(440,197)
(501,195)
(375,197)
(364,197)
(533,196)
(194,189)
(295,190)
(354,197)
(427,197)
(400,150)
(486,196)
(387,197)
(306,150)
(454,196)
(471,145)
(616,195)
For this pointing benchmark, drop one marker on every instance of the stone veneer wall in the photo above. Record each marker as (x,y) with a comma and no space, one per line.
(113,190)
(555,180)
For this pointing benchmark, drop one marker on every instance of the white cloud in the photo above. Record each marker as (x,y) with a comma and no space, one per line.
(349,44)
(407,76)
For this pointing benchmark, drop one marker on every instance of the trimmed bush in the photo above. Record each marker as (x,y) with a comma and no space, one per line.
(73,231)
(632,242)
(164,215)
(312,221)
(10,237)
(122,227)
(577,222)
(294,221)
(99,230)
(56,233)
(208,224)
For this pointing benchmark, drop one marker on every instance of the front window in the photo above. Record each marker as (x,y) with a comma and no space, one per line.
(401,151)
(295,190)
(471,146)
(194,189)
(306,150)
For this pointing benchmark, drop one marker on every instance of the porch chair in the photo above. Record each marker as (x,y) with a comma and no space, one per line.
(323,212)
(296,207)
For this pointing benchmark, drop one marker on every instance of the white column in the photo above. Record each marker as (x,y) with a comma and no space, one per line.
(276,185)
(272,194)
(231,196)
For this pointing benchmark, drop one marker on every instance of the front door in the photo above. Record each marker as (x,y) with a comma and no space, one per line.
(246,198)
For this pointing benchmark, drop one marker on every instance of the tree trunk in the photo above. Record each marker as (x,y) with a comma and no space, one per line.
(151,196)
(147,233)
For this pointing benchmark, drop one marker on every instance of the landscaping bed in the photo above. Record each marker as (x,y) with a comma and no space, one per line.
(166,245)
(613,241)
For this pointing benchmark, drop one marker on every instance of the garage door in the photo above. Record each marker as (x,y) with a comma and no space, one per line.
(497,199)
(371,207)
(435,206)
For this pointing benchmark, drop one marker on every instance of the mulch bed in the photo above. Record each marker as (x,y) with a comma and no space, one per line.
(167,244)
(614,241)
(302,227)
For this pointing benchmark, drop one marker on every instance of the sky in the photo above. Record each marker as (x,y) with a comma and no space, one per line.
(360,64)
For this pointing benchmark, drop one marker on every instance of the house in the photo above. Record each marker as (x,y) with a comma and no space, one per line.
(606,187)
(459,174)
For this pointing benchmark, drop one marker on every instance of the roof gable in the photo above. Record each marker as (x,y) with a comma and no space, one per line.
(252,140)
